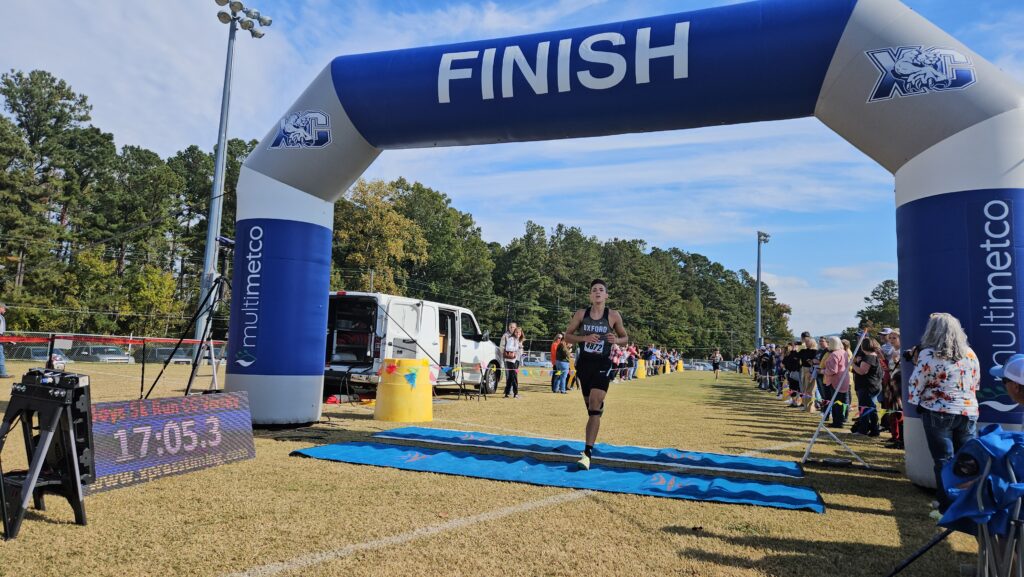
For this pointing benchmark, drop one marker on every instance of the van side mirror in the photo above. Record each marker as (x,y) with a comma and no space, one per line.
(486,336)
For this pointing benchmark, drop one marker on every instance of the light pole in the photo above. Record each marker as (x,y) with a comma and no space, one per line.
(762,238)
(246,19)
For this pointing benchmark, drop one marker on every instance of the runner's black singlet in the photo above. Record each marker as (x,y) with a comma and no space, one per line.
(594,363)
(602,349)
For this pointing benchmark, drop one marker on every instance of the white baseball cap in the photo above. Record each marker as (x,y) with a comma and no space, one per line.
(885,331)
(1012,370)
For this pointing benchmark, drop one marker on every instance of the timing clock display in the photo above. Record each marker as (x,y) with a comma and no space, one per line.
(138,441)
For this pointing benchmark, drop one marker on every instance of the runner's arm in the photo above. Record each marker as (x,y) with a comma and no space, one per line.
(620,336)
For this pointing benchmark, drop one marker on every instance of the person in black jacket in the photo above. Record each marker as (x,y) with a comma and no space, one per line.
(867,381)
(808,379)
(791,364)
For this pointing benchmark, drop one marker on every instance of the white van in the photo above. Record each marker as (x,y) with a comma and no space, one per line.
(364,328)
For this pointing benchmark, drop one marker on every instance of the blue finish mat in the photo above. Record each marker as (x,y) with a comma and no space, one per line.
(670,457)
(562,474)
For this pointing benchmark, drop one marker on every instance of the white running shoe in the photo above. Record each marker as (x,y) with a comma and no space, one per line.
(584,462)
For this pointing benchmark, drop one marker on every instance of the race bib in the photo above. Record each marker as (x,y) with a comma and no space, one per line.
(594,348)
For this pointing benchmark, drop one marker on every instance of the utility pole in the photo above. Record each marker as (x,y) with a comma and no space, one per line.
(246,19)
(762,238)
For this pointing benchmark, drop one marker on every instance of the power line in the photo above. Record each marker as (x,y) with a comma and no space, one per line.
(95,312)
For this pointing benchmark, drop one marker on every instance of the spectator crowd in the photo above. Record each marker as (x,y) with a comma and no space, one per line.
(863,385)
(826,374)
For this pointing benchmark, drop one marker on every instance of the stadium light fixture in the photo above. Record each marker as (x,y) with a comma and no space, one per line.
(255,15)
(213,218)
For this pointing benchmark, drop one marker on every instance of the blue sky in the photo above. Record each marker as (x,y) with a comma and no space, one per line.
(153,73)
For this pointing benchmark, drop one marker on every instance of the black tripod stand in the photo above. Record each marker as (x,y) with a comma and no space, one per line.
(205,348)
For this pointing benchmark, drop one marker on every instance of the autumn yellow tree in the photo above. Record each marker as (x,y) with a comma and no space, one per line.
(373,243)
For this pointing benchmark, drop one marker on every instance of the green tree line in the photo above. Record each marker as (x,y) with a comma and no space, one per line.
(97,239)
(882,310)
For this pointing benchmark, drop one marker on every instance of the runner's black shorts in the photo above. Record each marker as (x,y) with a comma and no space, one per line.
(593,373)
(714,366)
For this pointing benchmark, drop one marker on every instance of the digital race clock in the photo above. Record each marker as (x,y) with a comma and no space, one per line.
(138,441)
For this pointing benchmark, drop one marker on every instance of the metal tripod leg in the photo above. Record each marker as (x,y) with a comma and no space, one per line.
(1010,541)
(30,448)
(1018,531)
(5,428)
(35,468)
(988,553)
(73,482)
(821,427)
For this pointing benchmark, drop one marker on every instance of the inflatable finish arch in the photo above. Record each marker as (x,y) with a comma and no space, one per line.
(947,123)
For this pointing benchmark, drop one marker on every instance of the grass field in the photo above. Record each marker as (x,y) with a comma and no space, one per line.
(288,516)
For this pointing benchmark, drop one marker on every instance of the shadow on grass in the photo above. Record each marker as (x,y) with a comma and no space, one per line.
(322,434)
(760,416)
(331,417)
(784,555)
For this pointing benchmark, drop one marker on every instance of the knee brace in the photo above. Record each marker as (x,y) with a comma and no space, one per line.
(596,413)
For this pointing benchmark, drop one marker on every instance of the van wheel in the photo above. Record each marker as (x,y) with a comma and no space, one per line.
(489,382)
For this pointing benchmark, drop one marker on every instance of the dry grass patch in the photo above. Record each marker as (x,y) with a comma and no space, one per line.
(280,509)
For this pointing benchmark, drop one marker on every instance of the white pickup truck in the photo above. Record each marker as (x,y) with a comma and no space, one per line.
(365,328)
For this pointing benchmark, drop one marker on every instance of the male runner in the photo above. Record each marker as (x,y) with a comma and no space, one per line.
(599,328)
(716,363)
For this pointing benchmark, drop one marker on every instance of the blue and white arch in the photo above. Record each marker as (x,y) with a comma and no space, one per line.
(947,123)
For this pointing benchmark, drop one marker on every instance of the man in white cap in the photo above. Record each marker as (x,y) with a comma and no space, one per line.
(883,337)
(1012,375)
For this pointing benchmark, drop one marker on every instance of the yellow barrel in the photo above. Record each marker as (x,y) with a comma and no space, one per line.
(405,393)
(679,366)
(641,369)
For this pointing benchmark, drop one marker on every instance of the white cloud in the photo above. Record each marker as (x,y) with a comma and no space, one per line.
(827,302)
(1001,33)
(154,70)
(780,282)
(858,272)
(705,186)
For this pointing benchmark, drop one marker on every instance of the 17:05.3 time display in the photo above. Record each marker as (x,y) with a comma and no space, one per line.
(173,438)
